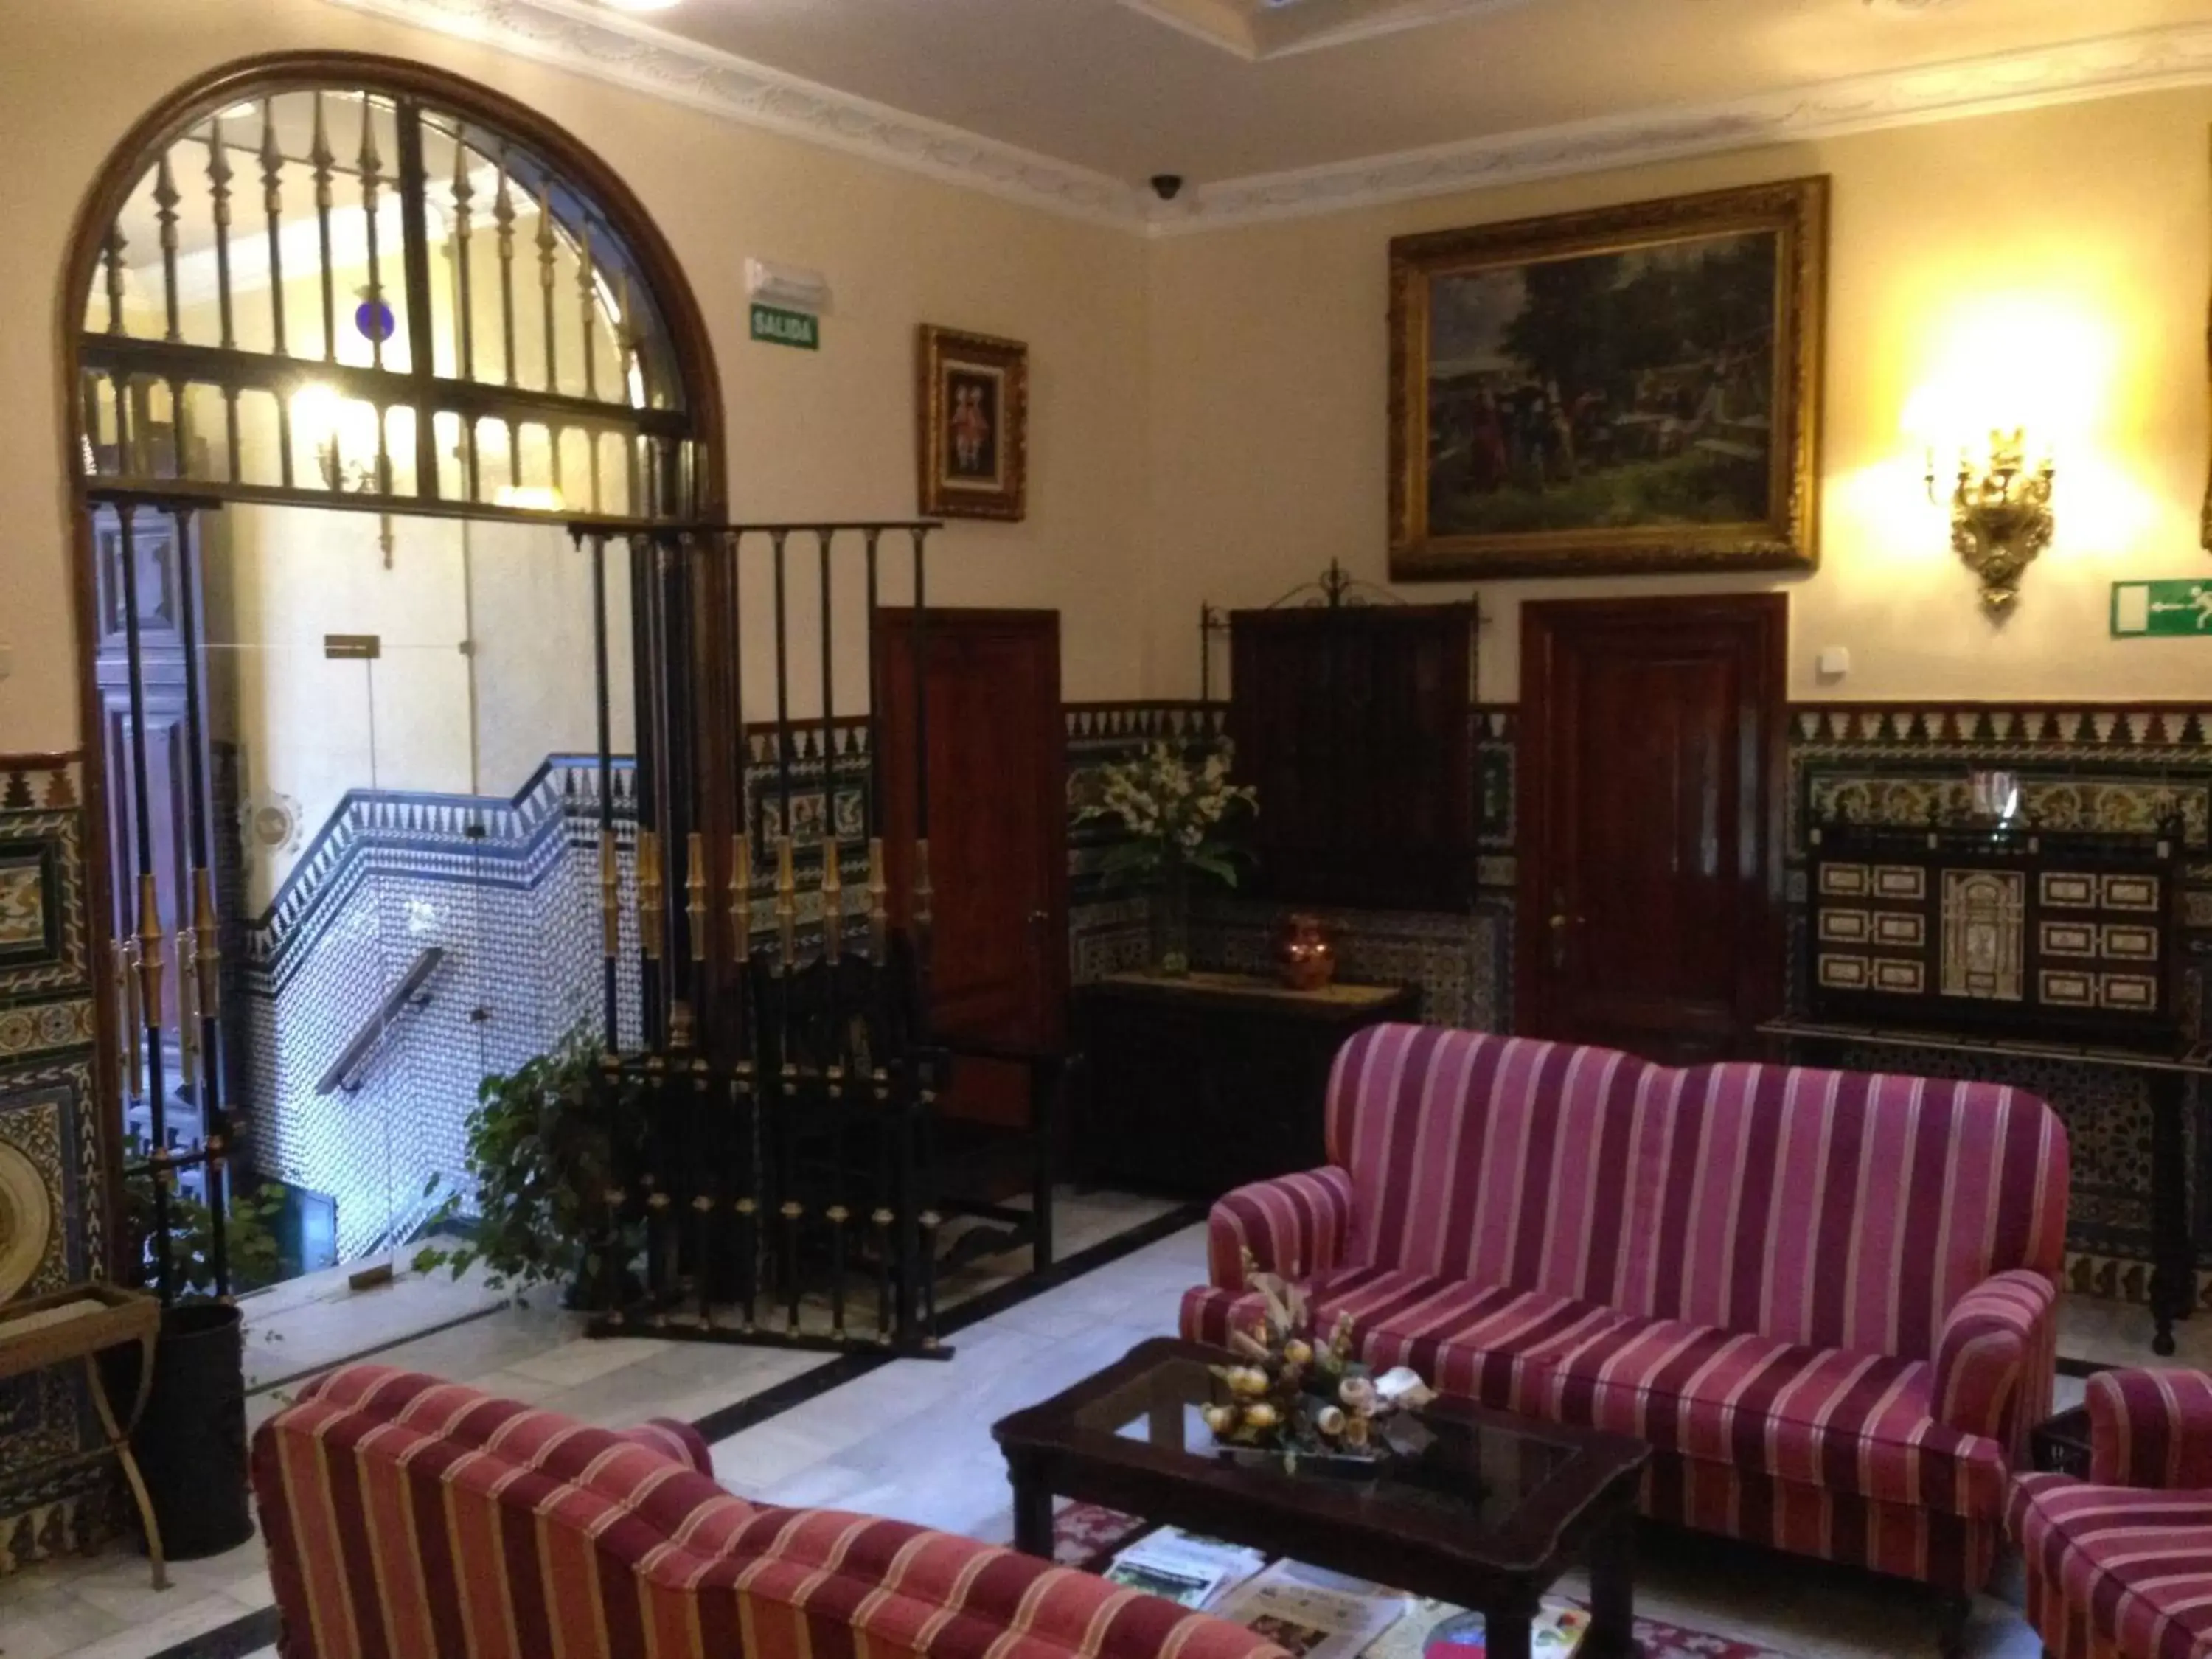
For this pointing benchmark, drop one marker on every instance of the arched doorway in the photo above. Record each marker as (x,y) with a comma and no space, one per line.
(347,338)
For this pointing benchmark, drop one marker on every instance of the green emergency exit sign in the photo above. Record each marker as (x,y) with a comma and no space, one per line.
(2141,610)
(774,325)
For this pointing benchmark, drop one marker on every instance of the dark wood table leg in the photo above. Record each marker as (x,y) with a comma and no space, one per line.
(1506,1635)
(1032,1508)
(1613,1590)
(2173,1271)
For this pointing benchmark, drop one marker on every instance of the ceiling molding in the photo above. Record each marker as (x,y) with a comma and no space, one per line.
(1256,30)
(589,39)
(608,45)
(2156,59)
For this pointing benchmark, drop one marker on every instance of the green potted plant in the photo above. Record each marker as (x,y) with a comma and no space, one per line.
(1173,811)
(543,1144)
(190,1442)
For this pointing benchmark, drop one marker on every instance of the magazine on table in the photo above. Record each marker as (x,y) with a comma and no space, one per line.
(1184,1567)
(1314,1614)
(1439,1630)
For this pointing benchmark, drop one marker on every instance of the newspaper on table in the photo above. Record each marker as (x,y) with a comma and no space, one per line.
(1185,1568)
(1440,1629)
(1314,1614)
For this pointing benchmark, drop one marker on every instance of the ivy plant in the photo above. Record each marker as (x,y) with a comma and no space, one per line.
(543,1146)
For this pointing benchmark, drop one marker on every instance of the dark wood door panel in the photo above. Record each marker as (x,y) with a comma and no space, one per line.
(998,832)
(1651,737)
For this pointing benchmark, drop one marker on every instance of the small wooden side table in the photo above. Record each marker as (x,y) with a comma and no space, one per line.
(79,1324)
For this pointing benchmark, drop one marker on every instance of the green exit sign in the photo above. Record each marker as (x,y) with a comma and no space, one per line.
(774,325)
(2141,610)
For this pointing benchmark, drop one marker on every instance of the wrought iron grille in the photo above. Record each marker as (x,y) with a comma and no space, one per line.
(339,296)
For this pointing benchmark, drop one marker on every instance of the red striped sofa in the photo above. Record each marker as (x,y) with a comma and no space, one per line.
(1826,1299)
(2119,1566)
(408,1518)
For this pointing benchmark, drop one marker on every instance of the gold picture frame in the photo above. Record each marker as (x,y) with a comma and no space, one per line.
(973,402)
(1628,389)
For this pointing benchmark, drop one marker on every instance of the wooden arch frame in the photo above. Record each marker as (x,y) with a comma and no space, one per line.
(119,175)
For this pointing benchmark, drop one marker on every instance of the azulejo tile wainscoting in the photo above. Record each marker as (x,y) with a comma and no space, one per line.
(49,1142)
(2081,766)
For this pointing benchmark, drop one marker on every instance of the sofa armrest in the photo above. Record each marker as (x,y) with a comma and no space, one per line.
(1296,1225)
(678,1442)
(2150,1428)
(1993,1362)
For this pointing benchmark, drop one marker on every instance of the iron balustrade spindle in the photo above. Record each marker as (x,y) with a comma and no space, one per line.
(324,160)
(150,908)
(802,1073)
(272,206)
(199,963)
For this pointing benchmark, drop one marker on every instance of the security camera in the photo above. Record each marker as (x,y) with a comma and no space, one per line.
(1167,185)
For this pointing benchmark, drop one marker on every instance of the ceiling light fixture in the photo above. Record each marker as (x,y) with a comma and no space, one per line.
(640,5)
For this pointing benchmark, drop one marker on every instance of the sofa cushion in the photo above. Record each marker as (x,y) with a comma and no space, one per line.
(2136,1564)
(1721,1195)
(1848,1423)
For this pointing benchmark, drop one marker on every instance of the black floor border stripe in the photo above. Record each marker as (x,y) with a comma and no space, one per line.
(758,1409)
(259,1630)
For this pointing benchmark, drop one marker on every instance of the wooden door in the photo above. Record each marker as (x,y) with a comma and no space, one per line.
(997,833)
(1650,822)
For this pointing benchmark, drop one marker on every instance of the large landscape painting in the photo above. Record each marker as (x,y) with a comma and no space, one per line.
(1635,389)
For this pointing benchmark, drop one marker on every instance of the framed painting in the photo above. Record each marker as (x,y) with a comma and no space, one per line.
(974,397)
(1632,389)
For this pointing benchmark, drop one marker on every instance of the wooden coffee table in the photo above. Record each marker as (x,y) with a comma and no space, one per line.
(1488,1516)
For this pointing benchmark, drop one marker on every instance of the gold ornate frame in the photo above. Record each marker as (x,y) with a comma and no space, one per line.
(1795,211)
(944,349)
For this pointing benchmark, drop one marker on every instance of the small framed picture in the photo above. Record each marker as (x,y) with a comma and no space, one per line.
(973,418)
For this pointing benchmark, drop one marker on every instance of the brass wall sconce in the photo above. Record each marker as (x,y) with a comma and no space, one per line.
(2001,515)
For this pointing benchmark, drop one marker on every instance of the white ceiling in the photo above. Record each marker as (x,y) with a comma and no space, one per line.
(1276,107)
(1111,85)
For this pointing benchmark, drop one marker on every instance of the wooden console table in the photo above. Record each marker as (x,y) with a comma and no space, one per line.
(79,1324)
(1203,1083)
(2169,1080)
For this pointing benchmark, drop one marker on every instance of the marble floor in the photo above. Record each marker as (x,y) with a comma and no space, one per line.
(911,1439)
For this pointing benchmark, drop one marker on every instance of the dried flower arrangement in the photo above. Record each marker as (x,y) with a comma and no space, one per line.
(1296,1397)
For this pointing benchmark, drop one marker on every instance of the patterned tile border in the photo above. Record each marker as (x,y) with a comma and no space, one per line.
(48,1113)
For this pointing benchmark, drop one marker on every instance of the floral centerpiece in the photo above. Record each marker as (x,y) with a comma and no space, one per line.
(1292,1395)
(1174,811)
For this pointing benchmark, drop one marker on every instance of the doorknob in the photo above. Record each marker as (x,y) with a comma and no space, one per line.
(1558,923)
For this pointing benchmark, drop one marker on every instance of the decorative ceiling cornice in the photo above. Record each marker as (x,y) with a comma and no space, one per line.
(608,45)
(2176,56)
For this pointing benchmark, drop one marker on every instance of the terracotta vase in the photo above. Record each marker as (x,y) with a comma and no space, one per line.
(1304,955)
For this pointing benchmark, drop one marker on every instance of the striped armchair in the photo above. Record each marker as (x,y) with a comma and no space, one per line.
(1826,1299)
(2119,1566)
(408,1518)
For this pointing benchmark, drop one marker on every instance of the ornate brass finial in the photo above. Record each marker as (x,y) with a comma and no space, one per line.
(651,894)
(207,949)
(149,951)
(741,894)
(695,889)
(786,903)
(610,895)
(879,915)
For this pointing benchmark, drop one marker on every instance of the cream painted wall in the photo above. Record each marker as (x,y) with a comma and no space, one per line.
(1206,411)
(2080,232)
(810,434)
